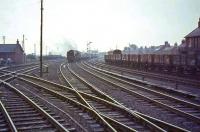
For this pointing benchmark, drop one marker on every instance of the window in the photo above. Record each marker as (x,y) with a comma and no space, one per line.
(199,42)
(193,42)
(189,42)
(196,42)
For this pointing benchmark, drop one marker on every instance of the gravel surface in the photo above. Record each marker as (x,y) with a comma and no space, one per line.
(136,103)
(168,84)
(70,114)
(53,71)
(128,100)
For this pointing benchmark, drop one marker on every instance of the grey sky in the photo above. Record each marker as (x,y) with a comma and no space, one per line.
(106,23)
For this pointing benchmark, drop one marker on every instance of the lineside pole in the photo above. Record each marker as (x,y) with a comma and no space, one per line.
(41,31)
(4,39)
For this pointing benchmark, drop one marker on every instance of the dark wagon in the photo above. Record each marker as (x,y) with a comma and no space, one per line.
(73,56)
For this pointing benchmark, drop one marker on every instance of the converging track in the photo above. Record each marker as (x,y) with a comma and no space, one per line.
(90,99)
(157,76)
(84,86)
(180,111)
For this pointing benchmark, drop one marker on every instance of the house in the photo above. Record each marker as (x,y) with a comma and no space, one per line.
(192,42)
(12,53)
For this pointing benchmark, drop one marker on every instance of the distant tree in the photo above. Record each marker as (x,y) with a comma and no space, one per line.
(30,56)
(133,46)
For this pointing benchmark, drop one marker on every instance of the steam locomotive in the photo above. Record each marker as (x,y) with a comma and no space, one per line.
(75,55)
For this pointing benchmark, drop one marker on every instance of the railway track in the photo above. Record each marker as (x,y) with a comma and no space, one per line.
(68,100)
(100,107)
(83,86)
(119,128)
(24,113)
(175,93)
(57,113)
(174,79)
(172,107)
(94,125)
(20,113)
(88,108)
(5,120)
(13,68)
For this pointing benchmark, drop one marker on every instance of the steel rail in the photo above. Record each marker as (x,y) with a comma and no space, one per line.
(120,126)
(118,78)
(50,105)
(63,97)
(87,104)
(101,94)
(148,99)
(44,113)
(16,66)
(11,125)
(158,76)
(171,127)
(91,87)
(138,81)
(151,125)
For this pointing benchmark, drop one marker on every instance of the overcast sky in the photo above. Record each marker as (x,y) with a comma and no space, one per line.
(106,23)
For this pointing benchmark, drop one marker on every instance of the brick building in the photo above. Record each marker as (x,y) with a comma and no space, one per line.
(192,42)
(12,53)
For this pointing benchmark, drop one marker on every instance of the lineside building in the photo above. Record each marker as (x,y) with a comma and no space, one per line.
(12,54)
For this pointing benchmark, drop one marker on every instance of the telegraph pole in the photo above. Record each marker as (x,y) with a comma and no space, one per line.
(46,50)
(41,29)
(35,50)
(88,48)
(4,39)
(23,44)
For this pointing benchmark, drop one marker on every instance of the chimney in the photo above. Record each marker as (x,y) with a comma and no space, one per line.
(175,44)
(17,41)
(199,23)
(183,41)
(167,44)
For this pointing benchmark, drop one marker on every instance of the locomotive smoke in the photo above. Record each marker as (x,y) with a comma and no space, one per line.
(66,45)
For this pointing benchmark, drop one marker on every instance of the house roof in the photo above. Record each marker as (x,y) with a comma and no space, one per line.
(183,45)
(9,47)
(194,33)
(166,49)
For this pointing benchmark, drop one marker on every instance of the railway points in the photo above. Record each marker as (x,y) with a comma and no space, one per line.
(104,67)
(83,96)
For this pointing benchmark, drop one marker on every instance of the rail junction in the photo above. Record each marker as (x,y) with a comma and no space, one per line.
(93,96)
